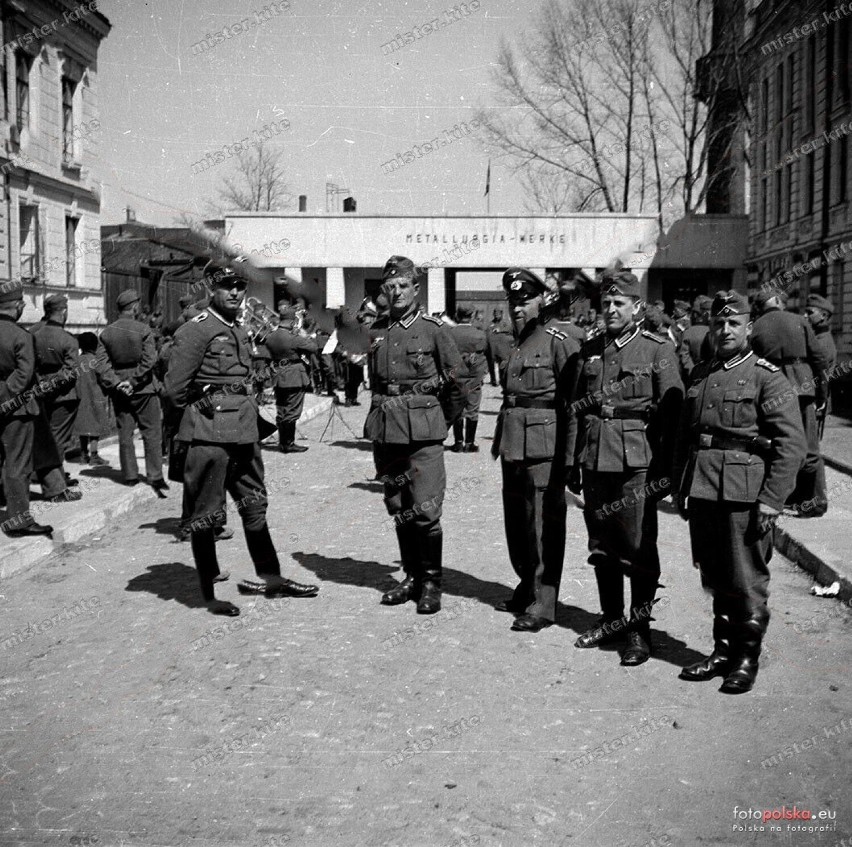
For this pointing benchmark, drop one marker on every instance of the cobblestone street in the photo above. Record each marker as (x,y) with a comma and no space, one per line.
(136,718)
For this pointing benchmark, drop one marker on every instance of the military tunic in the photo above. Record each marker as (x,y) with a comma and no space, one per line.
(127,352)
(210,383)
(500,342)
(694,347)
(18,411)
(472,346)
(57,362)
(532,439)
(411,360)
(291,372)
(725,472)
(627,403)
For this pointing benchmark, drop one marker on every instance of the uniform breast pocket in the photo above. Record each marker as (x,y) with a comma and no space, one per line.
(224,355)
(537,372)
(540,432)
(636,382)
(738,409)
(420,358)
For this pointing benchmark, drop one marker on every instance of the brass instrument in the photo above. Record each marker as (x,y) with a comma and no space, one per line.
(258,319)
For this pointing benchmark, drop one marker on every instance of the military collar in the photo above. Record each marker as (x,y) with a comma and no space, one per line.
(215,314)
(737,360)
(623,339)
(406,322)
(8,318)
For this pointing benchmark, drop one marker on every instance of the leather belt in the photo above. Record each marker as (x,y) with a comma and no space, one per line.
(235,387)
(513,402)
(398,388)
(759,444)
(607,412)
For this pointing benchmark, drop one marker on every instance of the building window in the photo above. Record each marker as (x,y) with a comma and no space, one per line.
(23,63)
(841,60)
(791,83)
(810,183)
(68,87)
(842,168)
(71,250)
(764,107)
(29,242)
(764,203)
(778,190)
(810,94)
(788,191)
(779,92)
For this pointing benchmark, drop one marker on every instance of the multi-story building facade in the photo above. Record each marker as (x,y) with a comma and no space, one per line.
(49,130)
(799,72)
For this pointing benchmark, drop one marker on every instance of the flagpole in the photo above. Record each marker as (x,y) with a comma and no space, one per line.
(488,190)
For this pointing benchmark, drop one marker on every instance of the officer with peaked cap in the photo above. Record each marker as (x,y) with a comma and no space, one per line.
(740,443)
(209,385)
(788,341)
(125,363)
(412,359)
(628,397)
(18,411)
(532,441)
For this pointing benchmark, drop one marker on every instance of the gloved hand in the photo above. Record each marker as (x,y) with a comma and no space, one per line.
(766,518)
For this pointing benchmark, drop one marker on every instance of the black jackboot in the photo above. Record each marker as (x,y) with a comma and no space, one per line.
(458,443)
(431,552)
(747,639)
(642,591)
(719,660)
(470,437)
(610,627)
(409,553)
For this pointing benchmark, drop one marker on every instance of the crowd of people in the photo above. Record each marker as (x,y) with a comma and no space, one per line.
(717,404)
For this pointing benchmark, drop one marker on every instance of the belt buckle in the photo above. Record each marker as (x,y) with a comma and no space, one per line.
(705,440)
(607,411)
(393,390)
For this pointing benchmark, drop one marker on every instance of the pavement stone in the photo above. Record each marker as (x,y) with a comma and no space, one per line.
(133,717)
(105,500)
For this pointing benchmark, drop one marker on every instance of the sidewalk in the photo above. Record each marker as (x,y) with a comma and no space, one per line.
(105,500)
(821,545)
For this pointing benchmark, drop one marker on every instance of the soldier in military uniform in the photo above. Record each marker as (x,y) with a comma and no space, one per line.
(819,311)
(18,411)
(628,398)
(531,440)
(500,343)
(209,384)
(739,446)
(788,341)
(472,344)
(126,359)
(695,342)
(561,319)
(412,356)
(57,355)
(290,351)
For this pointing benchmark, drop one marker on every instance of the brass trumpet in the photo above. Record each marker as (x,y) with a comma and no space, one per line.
(258,319)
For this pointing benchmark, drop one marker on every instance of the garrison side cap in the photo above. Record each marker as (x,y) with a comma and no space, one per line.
(817,301)
(730,303)
(398,266)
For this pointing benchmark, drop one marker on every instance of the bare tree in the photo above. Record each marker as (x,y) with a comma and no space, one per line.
(597,106)
(258,182)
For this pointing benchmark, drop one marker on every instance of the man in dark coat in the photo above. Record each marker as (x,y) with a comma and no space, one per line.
(209,386)
(739,446)
(532,441)
(500,344)
(788,341)
(472,344)
(126,359)
(18,411)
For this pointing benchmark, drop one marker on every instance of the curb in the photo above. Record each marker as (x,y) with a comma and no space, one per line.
(18,554)
(815,560)
(837,465)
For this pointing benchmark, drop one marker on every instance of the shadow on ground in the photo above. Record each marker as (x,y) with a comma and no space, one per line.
(170,581)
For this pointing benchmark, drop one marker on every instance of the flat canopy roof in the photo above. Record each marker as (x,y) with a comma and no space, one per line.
(468,241)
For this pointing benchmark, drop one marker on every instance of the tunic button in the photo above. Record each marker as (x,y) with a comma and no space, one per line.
(710,405)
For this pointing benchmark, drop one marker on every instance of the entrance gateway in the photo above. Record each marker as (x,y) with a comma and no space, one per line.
(344,254)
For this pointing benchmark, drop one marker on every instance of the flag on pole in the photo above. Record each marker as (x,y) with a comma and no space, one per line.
(488,180)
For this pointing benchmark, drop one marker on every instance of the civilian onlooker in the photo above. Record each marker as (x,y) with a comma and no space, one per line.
(92,422)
